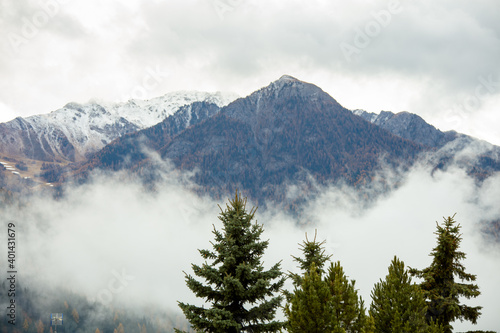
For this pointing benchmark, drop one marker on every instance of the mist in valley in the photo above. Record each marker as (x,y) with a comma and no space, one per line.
(116,242)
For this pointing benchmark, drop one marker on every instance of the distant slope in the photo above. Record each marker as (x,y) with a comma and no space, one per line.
(131,149)
(409,126)
(76,131)
(478,157)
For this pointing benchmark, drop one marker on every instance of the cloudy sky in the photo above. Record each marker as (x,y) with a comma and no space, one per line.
(439,59)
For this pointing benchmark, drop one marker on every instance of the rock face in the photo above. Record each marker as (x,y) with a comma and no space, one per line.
(409,126)
(76,131)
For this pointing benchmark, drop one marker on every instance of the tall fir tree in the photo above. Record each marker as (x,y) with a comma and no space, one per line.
(398,306)
(241,294)
(348,308)
(309,309)
(440,289)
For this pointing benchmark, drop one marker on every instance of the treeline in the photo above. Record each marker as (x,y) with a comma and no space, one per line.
(34,306)
(243,297)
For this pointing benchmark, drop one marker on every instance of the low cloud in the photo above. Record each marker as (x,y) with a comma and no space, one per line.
(115,241)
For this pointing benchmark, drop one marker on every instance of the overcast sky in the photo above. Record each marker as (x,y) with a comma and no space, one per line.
(439,59)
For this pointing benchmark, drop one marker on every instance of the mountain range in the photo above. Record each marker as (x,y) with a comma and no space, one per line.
(286,133)
(76,131)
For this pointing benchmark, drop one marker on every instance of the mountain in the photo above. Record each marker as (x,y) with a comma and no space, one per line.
(286,132)
(409,126)
(76,131)
(132,148)
(479,158)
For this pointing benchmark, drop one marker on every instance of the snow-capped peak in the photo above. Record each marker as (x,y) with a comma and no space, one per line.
(86,128)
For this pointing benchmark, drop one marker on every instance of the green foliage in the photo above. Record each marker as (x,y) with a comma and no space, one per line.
(348,308)
(240,292)
(309,309)
(440,289)
(397,304)
(314,253)
(324,305)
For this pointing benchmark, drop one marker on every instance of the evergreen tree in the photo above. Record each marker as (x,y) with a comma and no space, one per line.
(348,308)
(440,289)
(398,305)
(309,309)
(314,252)
(240,292)
(119,329)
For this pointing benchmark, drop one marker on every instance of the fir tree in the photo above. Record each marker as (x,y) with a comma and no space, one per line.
(440,289)
(239,291)
(309,309)
(398,305)
(348,308)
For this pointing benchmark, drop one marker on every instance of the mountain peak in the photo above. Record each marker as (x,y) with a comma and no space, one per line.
(288,78)
(290,83)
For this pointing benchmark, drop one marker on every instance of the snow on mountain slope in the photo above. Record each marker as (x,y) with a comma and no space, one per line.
(77,130)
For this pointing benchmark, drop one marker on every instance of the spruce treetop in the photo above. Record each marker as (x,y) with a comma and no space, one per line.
(314,252)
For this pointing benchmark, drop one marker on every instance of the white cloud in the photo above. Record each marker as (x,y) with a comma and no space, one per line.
(113,226)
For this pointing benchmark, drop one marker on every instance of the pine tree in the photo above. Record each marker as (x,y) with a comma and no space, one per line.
(398,305)
(119,329)
(26,325)
(348,308)
(440,289)
(314,252)
(343,311)
(39,326)
(240,292)
(76,316)
(309,309)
